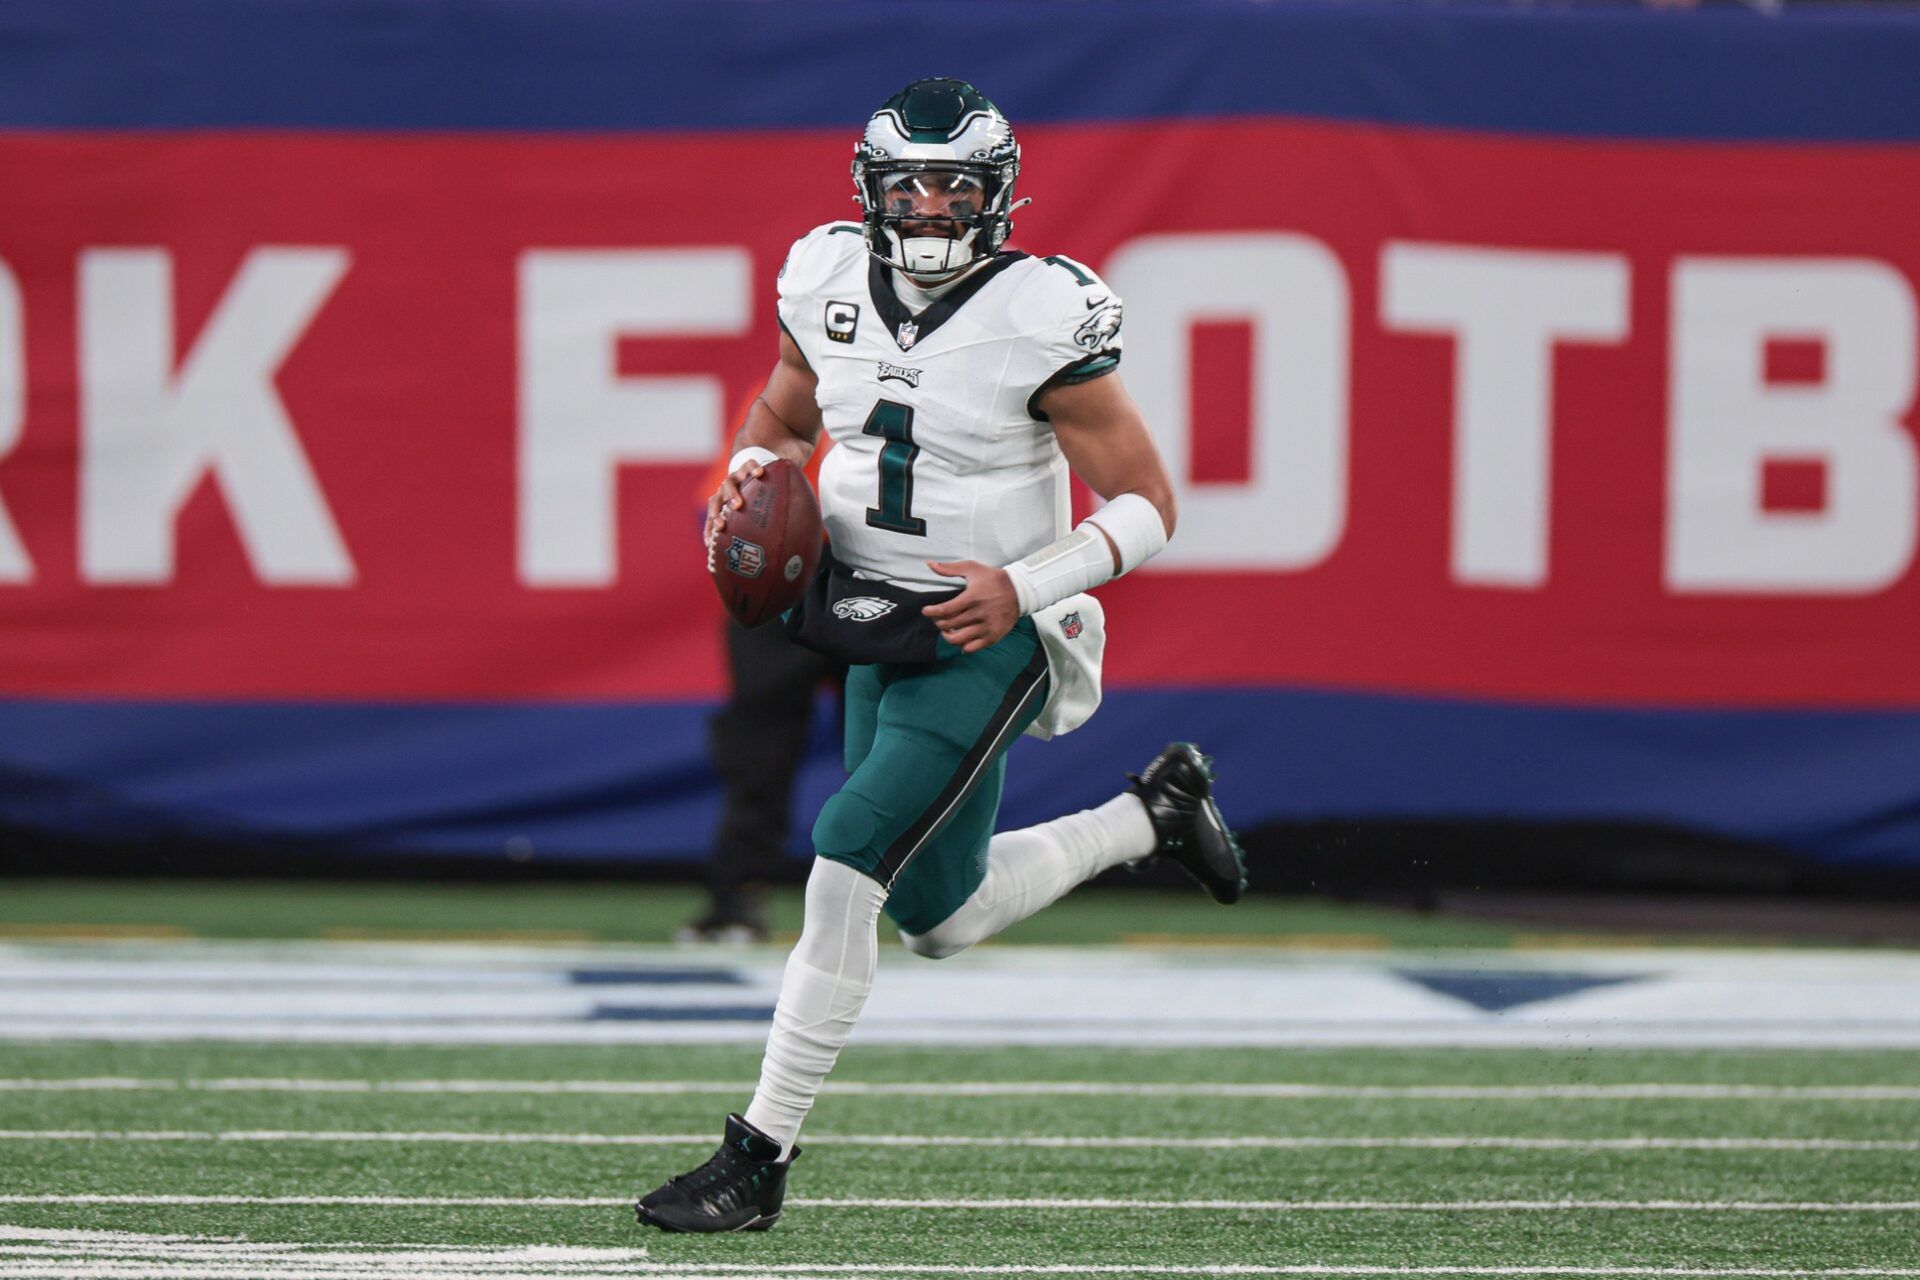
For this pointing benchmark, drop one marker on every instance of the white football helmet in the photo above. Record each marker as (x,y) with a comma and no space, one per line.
(934,175)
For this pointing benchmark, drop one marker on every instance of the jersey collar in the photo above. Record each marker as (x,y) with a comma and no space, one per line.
(894,314)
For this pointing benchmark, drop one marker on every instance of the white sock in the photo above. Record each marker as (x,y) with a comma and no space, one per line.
(826,984)
(1032,867)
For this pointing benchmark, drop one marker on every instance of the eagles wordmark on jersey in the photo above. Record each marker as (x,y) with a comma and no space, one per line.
(943,452)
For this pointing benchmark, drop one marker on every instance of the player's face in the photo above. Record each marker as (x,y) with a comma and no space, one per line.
(934,203)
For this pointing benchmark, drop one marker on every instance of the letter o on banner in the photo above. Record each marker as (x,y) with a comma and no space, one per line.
(1290,513)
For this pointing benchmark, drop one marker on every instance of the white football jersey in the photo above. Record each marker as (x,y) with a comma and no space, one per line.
(940,452)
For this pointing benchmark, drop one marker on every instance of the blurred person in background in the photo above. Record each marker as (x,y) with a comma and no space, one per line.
(757,742)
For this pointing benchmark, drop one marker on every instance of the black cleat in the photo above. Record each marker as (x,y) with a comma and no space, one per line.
(740,1189)
(732,919)
(1177,789)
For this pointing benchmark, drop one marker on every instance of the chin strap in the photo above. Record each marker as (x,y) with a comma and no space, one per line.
(933,255)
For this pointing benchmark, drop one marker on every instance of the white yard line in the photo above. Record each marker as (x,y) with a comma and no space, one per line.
(1397,1206)
(423,1202)
(1252,1269)
(113,1255)
(284,1265)
(469,1259)
(1274,1206)
(1239,1142)
(989,1089)
(295,1266)
(116,1255)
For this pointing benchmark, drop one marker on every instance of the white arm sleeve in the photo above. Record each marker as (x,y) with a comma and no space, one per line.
(1082,560)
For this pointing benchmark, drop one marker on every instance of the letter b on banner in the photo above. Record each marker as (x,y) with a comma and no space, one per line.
(1731,415)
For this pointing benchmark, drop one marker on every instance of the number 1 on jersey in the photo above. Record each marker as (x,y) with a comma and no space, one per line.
(893,422)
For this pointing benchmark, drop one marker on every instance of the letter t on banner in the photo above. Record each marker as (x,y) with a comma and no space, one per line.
(1505,309)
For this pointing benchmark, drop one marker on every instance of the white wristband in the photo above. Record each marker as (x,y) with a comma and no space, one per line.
(1136,528)
(1083,559)
(752,453)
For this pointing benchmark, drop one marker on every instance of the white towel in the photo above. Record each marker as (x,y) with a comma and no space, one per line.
(1074,634)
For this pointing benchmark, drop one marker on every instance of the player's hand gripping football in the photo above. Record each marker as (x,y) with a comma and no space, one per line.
(981,614)
(727,498)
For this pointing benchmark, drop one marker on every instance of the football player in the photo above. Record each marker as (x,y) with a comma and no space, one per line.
(960,382)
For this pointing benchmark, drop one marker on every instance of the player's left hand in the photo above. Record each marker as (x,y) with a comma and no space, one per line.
(981,614)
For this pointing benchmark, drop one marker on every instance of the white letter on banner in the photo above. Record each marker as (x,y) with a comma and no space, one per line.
(1726,421)
(580,420)
(150,436)
(15,566)
(1291,513)
(1505,309)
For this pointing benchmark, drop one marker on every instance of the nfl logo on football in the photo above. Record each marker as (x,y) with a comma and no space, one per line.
(745,558)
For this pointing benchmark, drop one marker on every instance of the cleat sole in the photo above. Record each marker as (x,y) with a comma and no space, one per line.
(756,1224)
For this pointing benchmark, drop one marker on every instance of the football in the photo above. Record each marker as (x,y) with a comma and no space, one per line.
(764,558)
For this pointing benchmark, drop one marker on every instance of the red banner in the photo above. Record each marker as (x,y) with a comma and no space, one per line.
(337,417)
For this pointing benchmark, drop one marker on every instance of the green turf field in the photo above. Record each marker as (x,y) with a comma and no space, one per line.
(1173,1205)
(41,908)
(228,1160)
(627,912)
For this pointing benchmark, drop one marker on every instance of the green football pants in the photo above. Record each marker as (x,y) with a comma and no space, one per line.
(926,754)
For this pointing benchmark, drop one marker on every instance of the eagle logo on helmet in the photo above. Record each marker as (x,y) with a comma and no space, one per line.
(934,175)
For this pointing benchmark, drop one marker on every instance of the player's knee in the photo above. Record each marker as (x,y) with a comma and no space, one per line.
(935,943)
(845,828)
(948,938)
